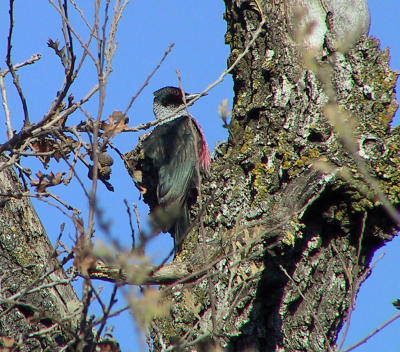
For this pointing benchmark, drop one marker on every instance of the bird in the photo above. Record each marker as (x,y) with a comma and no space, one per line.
(175,155)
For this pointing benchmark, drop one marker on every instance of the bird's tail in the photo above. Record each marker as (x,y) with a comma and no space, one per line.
(172,219)
(180,229)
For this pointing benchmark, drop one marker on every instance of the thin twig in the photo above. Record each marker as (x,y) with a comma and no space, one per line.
(59,200)
(107,312)
(77,36)
(116,313)
(69,70)
(146,82)
(10,132)
(30,61)
(373,333)
(128,210)
(142,238)
(11,66)
(77,8)
(111,42)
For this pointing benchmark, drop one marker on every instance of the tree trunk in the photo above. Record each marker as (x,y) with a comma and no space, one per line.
(39,320)
(294,207)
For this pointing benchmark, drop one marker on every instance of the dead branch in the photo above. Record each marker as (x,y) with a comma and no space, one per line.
(11,66)
(146,82)
(373,333)
(30,61)
(142,274)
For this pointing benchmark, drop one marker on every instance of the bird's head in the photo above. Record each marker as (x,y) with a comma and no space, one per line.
(167,100)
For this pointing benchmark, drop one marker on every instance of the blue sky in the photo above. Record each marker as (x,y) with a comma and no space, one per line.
(147,29)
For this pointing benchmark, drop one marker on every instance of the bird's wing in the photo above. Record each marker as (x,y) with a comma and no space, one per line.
(175,177)
(172,149)
(176,171)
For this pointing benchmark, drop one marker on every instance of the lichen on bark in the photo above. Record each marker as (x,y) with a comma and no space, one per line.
(27,255)
(289,222)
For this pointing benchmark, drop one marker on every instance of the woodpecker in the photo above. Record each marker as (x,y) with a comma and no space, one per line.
(175,153)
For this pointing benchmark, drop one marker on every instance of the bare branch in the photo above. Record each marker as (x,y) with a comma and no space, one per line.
(107,312)
(11,67)
(135,275)
(142,238)
(69,70)
(77,8)
(128,210)
(30,61)
(373,333)
(77,36)
(10,132)
(146,82)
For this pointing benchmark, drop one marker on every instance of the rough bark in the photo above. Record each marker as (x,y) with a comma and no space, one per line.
(289,243)
(47,318)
